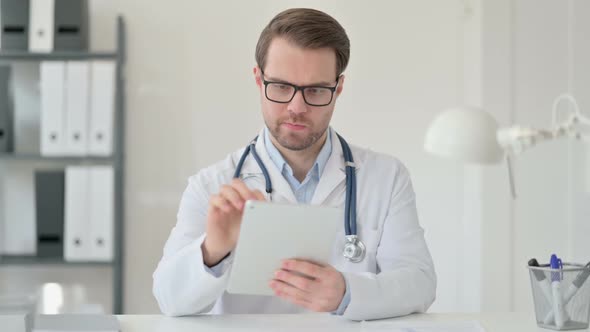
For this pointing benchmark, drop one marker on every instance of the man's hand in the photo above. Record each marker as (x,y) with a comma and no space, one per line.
(315,287)
(224,219)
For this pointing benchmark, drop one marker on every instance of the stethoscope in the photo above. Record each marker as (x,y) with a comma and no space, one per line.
(354,248)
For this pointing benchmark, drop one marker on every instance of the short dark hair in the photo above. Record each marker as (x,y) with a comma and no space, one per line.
(306,28)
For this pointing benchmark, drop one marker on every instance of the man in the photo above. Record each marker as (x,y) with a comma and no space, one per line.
(301,55)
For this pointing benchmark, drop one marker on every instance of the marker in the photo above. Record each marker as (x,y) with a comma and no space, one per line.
(571,291)
(558,310)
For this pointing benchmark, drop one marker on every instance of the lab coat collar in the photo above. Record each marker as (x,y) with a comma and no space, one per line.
(334,172)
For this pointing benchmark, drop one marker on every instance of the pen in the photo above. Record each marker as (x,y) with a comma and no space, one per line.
(572,289)
(558,311)
(542,281)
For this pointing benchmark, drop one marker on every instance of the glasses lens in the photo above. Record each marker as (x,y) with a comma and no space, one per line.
(279,92)
(317,96)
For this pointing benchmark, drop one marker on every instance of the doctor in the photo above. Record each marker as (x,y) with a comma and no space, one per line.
(301,55)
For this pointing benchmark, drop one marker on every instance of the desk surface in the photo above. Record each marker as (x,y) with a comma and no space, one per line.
(492,322)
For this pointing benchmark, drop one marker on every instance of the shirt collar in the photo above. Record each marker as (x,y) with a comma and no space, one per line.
(317,168)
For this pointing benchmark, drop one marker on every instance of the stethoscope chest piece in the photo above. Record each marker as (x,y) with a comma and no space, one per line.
(354,249)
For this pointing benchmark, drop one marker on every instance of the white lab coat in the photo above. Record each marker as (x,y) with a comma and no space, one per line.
(395,278)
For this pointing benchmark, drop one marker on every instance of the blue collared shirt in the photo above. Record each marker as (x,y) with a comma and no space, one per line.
(303,190)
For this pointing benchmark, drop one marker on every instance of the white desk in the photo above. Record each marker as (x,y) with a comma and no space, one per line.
(492,322)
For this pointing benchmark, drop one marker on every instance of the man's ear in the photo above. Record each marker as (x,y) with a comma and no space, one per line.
(256,72)
(340,85)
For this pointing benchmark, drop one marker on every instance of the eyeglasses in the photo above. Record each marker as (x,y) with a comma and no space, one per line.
(283,92)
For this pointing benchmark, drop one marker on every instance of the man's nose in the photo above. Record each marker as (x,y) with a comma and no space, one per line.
(297,104)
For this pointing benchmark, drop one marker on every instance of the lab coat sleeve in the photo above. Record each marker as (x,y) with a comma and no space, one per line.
(182,284)
(345,301)
(406,280)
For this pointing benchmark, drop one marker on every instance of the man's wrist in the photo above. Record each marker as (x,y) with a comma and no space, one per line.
(212,257)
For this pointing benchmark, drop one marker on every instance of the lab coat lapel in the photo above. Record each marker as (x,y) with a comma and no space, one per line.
(333,174)
(280,186)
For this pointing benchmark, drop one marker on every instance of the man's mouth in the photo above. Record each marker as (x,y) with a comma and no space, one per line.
(294,126)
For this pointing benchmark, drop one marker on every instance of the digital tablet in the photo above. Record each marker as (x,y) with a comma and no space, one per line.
(272,232)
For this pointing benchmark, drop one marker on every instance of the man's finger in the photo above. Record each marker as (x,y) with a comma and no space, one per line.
(294,296)
(304,267)
(218,202)
(259,195)
(283,289)
(303,283)
(243,190)
(232,196)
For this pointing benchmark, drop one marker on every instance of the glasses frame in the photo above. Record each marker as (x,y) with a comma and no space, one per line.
(298,88)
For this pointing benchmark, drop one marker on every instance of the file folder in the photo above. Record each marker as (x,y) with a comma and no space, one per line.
(77,239)
(41,25)
(102,102)
(102,211)
(5,111)
(53,140)
(71,25)
(14,24)
(49,197)
(76,110)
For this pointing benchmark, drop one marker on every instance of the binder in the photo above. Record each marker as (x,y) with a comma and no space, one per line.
(53,140)
(41,25)
(102,102)
(101,214)
(2,209)
(71,25)
(76,109)
(27,108)
(5,111)
(49,200)
(19,216)
(77,244)
(14,24)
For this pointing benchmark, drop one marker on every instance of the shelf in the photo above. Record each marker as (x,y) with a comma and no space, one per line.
(65,159)
(117,159)
(56,56)
(34,260)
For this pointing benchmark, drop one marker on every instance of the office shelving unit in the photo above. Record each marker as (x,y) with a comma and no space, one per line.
(117,159)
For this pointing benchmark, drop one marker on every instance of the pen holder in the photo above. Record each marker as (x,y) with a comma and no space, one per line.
(561,296)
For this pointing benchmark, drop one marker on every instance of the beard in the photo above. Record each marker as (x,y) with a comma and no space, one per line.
(295,141)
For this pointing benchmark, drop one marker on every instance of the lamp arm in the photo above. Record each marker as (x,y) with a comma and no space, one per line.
(564,97)
(517,138)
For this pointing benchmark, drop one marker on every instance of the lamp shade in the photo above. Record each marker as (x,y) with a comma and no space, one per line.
(466,134)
